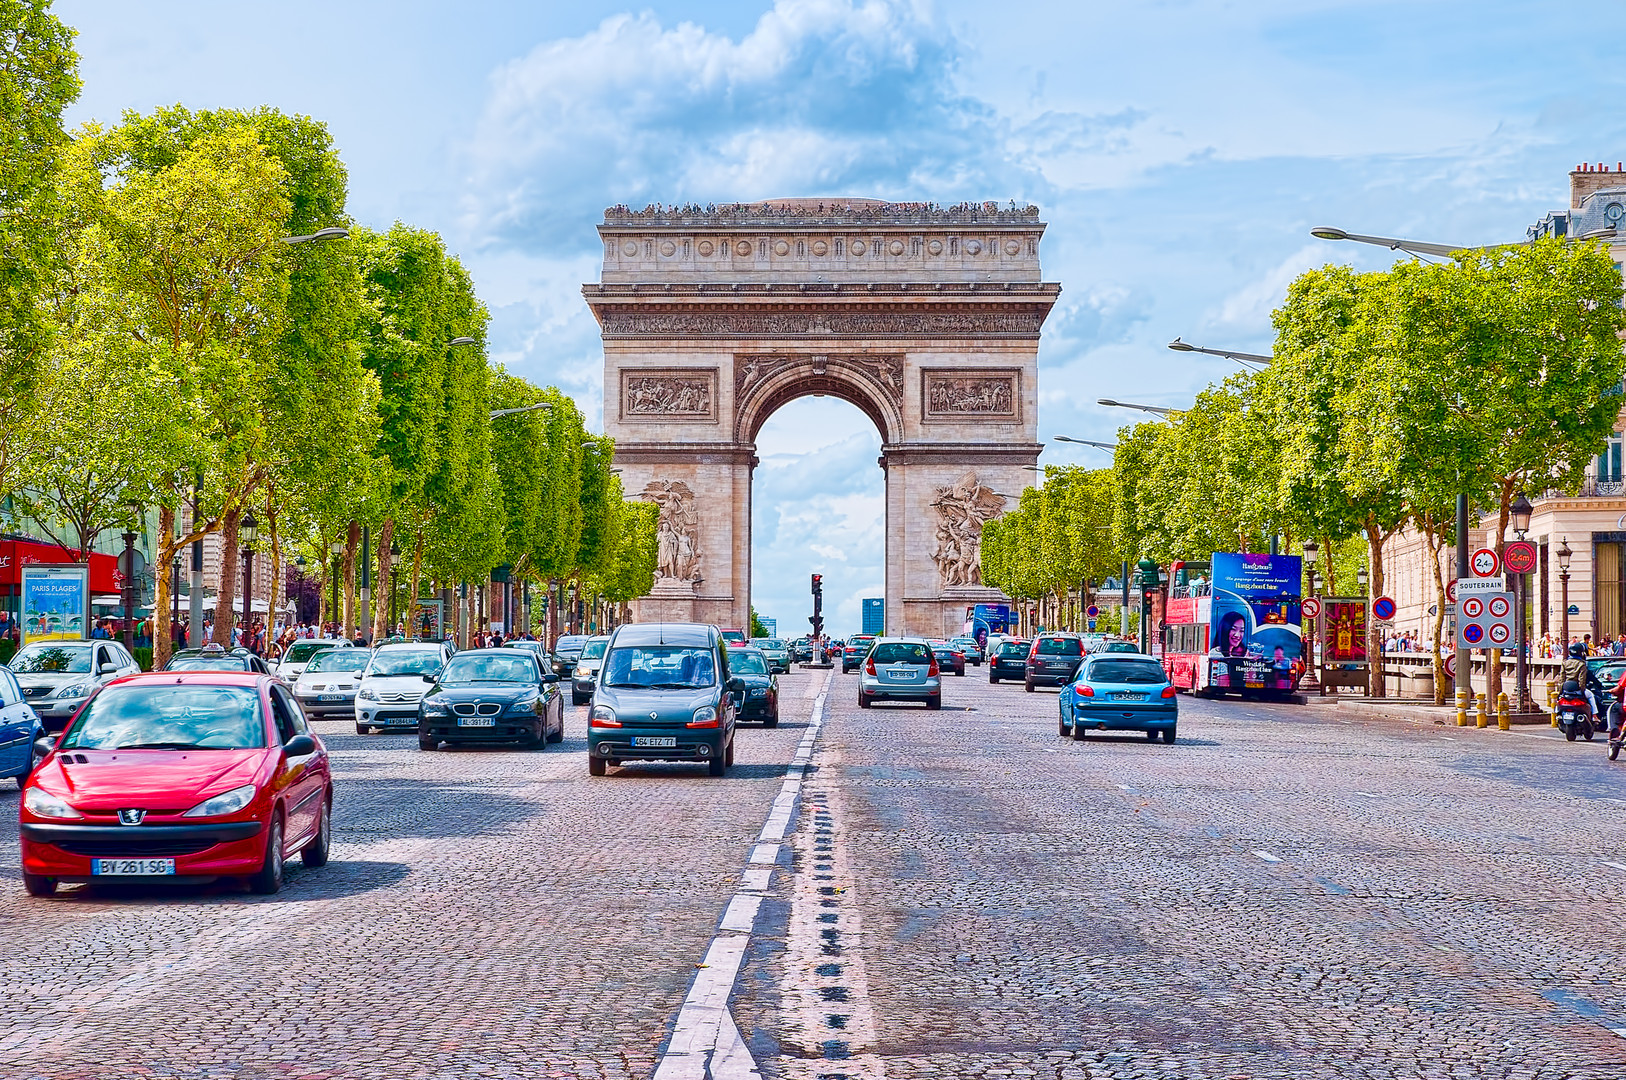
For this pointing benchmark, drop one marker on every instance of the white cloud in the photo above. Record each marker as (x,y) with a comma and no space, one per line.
(1251,305)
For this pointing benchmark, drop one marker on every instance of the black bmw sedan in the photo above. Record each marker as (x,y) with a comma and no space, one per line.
(492,695)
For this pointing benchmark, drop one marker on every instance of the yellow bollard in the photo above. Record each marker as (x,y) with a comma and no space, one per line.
(1479,715)
(1462,707)
(1503,721)
(1552,701)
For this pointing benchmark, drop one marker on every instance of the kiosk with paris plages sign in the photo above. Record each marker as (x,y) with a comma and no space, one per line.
(1485,614)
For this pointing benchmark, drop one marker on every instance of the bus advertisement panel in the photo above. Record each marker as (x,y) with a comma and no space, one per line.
(1255,640)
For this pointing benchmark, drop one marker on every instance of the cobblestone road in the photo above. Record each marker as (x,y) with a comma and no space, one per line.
(1279,894)
(486,913)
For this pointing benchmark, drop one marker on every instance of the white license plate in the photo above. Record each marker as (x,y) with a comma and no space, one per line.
(900,674)
(476,721)
(131,867)
(656,742)
(331,697)
(1127,697)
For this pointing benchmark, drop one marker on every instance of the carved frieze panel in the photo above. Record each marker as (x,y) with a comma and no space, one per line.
(957,394)
(669,394)
(963,507)
(644,323)
(678,554)
(882,371)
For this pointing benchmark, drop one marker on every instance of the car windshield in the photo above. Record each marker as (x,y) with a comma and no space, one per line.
(1013,648)
(301,651)
(900,652)
(207,663)
(1060,646)
(338,660)
(660,667)
(767,643)
(747,664)
(594,649)
(169,717)
(46,659)
(568,645)
(1127,671)
(466,668)
(405,662)
(1121,646)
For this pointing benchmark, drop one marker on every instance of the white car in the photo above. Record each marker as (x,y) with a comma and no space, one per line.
(299,653)
(394,681)
(57,676)
(326,689)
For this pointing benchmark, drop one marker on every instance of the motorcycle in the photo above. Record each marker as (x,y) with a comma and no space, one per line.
(1617,730)
(1574,714)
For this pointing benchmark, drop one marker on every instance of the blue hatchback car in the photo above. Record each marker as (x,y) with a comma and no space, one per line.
(1120,692)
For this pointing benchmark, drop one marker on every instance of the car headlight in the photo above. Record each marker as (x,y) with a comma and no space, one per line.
(524,704)
(225,803)
(44,804)
(706,714)
(76,690)
(434,708)
(604,716)
(759,693)
(366,695)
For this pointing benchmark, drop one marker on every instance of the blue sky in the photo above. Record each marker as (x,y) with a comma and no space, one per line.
(1180,152)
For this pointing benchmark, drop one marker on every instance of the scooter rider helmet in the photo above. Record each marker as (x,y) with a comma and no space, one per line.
(1578,651)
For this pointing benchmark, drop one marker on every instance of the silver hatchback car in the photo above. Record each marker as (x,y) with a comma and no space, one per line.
(900,669)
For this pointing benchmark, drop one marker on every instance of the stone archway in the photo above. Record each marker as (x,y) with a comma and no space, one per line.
(925,318)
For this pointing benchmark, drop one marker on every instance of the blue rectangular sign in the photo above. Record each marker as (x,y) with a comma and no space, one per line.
(55,602)
(874,615)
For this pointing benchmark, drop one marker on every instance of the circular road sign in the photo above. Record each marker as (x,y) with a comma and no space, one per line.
(1519,557)
(1472,633)
(1383,609)
(1451,664)
(1484,563)
(1499,633)
(1499,606)
(1311,607)
(1473,607)
(1092,611)
(1451,591)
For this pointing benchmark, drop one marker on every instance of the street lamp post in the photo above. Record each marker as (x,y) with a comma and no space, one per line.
(1158,409)
(174,594)
(1085,442)
(1244,358)
(395,561)
(249,531)
(1564,556)
(1372,636)
(1312,662)
(127,565)
(1521,687)
(335,549)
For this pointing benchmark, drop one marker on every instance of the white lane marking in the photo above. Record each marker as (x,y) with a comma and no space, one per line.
(1267,856)
(706,1044)
(1616,865)
(1366,794)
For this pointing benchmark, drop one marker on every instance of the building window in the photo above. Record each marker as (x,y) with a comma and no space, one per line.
(1609,462)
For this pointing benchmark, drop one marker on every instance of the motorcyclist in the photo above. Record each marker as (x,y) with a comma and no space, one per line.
(1617,711)
(1575,670)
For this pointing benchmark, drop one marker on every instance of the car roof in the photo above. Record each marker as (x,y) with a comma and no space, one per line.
(909,640)
(218,678)
(1114,657)
(665,634)
(404,646)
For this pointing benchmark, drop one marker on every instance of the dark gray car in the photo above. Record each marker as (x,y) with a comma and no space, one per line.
(664,693)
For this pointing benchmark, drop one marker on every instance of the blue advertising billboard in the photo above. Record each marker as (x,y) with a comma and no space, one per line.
(874,615)
(1254,633)
(55,602)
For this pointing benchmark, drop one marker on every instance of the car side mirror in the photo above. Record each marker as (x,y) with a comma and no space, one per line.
(550,677)
(299,746)
(43,745)
(429,676)
(107,667)
(735,685)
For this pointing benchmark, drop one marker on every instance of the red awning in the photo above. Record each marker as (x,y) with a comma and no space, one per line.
(15,554)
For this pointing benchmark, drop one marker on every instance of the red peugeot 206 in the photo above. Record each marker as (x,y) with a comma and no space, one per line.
(179,777)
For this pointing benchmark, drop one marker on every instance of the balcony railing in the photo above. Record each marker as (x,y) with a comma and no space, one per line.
(1591,488)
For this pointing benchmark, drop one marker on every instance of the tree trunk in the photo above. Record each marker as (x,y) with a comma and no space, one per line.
(351,551)
(1377,683)
(230,567)
(1433,541)
(273,594)
(381,627)
(162,643)
(1331,574)
(412,584)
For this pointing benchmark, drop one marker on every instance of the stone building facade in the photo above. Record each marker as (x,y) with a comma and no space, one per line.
(926,318)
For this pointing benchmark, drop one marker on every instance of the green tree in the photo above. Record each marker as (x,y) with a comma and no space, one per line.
(38,81)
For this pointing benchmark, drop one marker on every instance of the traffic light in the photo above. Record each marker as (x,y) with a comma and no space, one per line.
(817,618)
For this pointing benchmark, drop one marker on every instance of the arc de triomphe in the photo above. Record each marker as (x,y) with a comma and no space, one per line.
(926,318)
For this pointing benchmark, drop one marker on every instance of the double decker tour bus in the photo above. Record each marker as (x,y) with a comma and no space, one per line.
(1235,630)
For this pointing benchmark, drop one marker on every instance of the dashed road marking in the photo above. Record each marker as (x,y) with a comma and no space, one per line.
(1616,865)
(1366,795)
(1268,857)
(705,1043)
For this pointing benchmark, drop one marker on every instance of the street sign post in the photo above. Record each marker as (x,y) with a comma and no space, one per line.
(1485,614)
(1484,563)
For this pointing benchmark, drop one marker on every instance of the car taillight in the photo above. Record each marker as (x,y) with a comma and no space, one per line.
(869,668)
(933,671)
(1168,691)
(1084,691)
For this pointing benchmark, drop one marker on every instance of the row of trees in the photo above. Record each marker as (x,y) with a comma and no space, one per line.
(174,335)
(1495,373)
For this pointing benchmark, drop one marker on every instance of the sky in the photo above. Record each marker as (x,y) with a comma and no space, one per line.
(1180,151)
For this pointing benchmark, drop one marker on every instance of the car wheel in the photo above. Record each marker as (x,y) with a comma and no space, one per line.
(728,755)
(935,702)
(1064,727)
(1027,684)
(992,678)
(558,736)
(596,766)
(22,780)
(772,721)
(1078,732)
(268,881)
(576,699)
(361,729)
(863,700)
(1168,735)
(39,885)
(717,766)
(314,854)
(1151,736)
